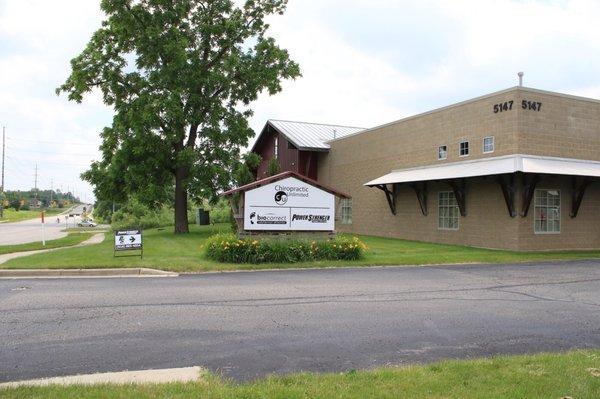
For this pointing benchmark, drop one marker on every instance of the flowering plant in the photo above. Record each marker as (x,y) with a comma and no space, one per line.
(231,249)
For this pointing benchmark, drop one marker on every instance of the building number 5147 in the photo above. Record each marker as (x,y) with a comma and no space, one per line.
(531,105)
(525,104)
(505,106)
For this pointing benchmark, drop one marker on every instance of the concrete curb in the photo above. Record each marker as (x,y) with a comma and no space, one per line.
(407,266)
(84,273)
(164,376)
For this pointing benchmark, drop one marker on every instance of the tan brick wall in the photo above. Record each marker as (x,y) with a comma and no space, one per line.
(582,232)
(565,127)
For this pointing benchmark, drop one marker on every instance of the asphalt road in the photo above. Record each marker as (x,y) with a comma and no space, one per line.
(31,230)
(247,325)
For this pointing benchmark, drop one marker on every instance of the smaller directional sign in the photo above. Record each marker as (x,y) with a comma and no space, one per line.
(126,240)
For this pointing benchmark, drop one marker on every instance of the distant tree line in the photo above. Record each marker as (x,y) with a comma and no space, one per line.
(34,199)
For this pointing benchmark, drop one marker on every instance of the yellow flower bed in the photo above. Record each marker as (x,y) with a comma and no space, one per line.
(230,249)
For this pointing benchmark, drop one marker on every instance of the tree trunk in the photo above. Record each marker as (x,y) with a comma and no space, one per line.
(181,220)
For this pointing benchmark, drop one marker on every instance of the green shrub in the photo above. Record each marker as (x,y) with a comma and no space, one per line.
(219,212)
(273,167)
(137,215)
(226,247)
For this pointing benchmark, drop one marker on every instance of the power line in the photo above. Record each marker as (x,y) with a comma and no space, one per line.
(3,154)
(16,172)
(16,161)
(51,142)
(61,163)
(35,185)
(50,152)
(2,186)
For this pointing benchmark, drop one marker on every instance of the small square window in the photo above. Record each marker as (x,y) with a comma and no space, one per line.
(442,152)
(463,149)
(488,144)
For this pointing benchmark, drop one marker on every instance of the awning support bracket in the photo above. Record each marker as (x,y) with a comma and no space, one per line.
(578,193)
(528,191)
(421,192)
(507,184)
(390,196)
(459,187)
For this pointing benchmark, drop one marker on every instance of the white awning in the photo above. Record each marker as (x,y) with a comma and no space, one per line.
(492,166)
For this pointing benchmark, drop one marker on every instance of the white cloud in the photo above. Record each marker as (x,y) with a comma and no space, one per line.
(364,62)
(37,41)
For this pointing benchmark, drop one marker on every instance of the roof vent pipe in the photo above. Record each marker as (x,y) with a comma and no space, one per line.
(520,79)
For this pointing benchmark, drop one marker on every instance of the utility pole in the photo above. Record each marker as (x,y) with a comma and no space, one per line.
(35,186)
(2,186)
(3,151)
(51,190)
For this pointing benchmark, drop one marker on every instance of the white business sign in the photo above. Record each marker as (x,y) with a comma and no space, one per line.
(128,240)
(289,204)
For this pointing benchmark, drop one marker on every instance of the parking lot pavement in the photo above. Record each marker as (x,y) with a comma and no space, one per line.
(250,324)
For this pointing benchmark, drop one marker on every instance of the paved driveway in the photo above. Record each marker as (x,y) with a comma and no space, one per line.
(31,230)
(246,325)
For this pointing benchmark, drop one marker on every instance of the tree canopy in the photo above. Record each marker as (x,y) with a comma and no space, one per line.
(180,76)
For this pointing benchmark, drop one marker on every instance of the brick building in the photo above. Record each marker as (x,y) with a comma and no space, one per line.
(516,169)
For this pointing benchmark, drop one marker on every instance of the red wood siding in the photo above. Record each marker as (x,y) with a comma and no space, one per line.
(290,158)
(308,164)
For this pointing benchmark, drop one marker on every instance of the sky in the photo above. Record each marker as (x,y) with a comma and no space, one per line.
(364,63)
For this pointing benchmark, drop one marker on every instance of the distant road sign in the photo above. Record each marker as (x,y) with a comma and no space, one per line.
(126,240)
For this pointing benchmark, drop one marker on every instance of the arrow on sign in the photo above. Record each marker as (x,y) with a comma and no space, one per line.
(131,239)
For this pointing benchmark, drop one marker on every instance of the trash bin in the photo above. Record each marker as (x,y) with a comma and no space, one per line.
(202,217)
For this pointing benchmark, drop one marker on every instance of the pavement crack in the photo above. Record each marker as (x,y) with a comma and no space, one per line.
(541,298)
(256,302)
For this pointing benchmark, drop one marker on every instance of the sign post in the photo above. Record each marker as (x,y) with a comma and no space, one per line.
(43,231)
(128,240)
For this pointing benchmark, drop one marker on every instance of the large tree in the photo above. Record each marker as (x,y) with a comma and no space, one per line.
(180,76)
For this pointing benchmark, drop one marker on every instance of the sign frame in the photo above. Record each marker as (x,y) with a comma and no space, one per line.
(289,205)
(134,247)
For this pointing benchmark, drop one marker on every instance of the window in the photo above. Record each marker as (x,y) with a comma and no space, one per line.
(442,152)
(448,211)
(346,204)
(547,211)
(488,144)
(463,149)
(276,147)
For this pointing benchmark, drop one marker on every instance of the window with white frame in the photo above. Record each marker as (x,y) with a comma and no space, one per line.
(547,211)
(346,205)
(448,212)
(276,151)
(463,148)
(442,152)
(488,144)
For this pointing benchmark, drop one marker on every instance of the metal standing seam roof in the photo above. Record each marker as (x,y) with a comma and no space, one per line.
(492,166)
(312,136)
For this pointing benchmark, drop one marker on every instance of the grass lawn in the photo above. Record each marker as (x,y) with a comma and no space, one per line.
(184,253)
(10,215)
(539,376)
(71,239)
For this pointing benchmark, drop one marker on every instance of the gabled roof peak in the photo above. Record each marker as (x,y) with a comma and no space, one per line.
(281,176)
(309,136)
